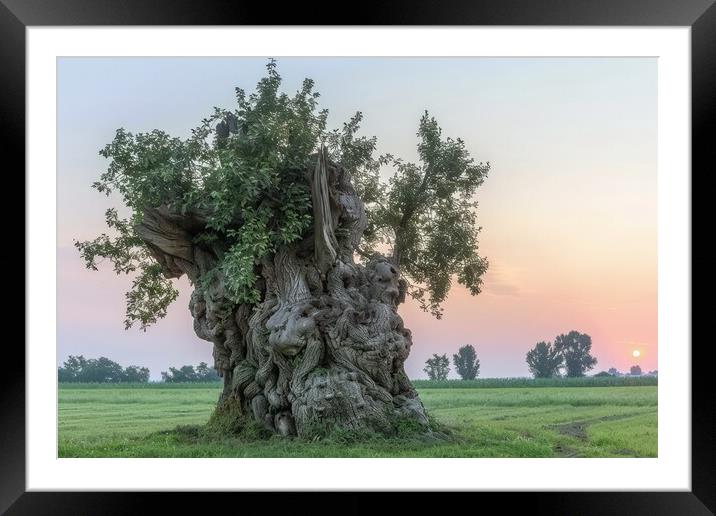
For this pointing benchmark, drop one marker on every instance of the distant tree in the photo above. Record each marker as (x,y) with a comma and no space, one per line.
(466,363)
(188,374)
(99,370)
(603,373)
(437,367)
(613,371)
(72,368)
(575,349)
(136,374)
(64,376)
(204,373)
(635,370)
(182,375)
(543,360)
(654,372)
(103,370)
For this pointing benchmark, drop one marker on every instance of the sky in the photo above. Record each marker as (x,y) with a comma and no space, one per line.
(568,211)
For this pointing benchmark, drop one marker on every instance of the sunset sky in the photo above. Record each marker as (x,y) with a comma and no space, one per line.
(568,211)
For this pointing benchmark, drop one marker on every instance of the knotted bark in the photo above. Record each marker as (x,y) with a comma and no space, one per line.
(325,346)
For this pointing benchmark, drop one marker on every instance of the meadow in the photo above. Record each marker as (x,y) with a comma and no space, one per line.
(587,417)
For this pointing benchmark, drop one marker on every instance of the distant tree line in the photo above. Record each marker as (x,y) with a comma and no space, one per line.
(634,370)
(569,352)
(568,356)
(187,373)
(78,369)
(99,370)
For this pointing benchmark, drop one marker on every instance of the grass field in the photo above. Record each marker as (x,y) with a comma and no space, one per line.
(482,421)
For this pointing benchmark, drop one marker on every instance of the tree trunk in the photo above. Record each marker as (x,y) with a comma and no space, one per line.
(325,347)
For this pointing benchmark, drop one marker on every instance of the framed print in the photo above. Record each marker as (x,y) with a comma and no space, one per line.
(441,249)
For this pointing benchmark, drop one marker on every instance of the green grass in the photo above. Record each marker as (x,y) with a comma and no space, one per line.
(164,420)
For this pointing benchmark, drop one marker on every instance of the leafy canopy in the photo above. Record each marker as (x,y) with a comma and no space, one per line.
(575,348)
(544,361)
(437,367)
(466,362)
(242,174)
(429,215)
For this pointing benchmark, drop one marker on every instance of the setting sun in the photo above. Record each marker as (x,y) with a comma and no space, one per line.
(636,353)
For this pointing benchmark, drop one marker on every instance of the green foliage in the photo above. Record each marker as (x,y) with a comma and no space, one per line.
(466,363)
(570,351)
(425,211)
(151,293)
(188,374)
(437,367)
(78,369)
(635,370)
(135,374)
(244,169)
(428,214)
(356,154)
(244,172)
(575,349)
(150,296)
(543,360)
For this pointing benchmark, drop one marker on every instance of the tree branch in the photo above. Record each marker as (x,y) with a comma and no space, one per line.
(326,245)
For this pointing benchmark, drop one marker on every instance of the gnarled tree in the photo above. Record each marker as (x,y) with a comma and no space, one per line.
(298,253)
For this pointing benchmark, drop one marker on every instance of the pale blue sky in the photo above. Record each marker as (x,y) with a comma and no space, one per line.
(572,143)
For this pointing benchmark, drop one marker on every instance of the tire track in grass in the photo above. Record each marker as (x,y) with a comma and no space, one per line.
(578,430)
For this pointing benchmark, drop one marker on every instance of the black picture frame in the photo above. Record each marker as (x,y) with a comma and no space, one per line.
(700,15)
